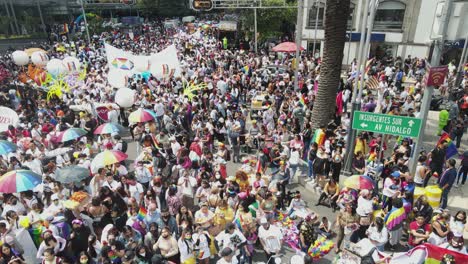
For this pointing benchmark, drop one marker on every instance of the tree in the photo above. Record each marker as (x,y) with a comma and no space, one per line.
(330,70)
(275,22)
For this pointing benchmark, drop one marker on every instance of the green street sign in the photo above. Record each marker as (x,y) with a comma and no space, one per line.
(387,124)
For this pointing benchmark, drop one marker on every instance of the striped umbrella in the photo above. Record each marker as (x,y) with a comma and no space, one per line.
(107,157)
(109,128)
(71,134)
(7,147)
(140,115)
(16,181)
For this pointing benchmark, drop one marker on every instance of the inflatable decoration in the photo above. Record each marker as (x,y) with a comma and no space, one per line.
(39,58)
(58,87)
(117,79)
(191,88)
(72,64)
(125,97)
(122,64)
(41,78)
(56,68)
(20,58)
(141,63)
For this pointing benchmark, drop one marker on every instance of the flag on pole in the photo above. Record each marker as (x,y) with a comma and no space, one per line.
(372,83)
(258,166)
(369,65)
(142,214)
(451,148)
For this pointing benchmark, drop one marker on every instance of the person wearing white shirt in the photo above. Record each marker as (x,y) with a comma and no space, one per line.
(227,257)
(111,183)
(55,207)
(113,115)
(34,164)
(231,238)
(378,234)
(270,237)
(142,174)
(134,188)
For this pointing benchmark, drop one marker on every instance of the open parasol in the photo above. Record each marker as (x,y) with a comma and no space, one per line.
(286,47)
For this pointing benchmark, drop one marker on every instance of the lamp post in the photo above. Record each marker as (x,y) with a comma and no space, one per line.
(85,21)
(300,12)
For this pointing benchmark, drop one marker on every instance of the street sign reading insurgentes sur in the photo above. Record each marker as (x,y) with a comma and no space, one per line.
(387,124)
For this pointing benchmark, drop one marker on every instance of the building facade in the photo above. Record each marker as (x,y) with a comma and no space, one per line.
(401,28)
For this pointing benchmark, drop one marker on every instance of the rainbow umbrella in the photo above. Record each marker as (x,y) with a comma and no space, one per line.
(109,128)
(107,157)
(16,181)
(71,134)
(7,147)
(359,182)
(140,115)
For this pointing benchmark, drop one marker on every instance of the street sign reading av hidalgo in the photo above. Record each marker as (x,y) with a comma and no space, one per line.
(387,124)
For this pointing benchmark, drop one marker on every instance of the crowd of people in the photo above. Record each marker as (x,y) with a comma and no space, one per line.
(177,202)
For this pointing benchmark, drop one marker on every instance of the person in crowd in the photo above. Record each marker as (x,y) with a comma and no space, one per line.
(419,231)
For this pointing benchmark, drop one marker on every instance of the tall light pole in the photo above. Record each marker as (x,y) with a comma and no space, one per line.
(300,13)
(255,30)
(356,104)
(462,61)
(85,21)
(40,15)
(317,11)
(435,61)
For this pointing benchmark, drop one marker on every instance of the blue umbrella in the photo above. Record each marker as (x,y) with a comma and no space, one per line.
(7,147)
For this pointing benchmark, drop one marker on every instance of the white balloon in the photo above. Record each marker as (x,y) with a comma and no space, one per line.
(117,78)
(20,58)
(125,97)
(56,67)
(72,64)
(39,58)
(141,63)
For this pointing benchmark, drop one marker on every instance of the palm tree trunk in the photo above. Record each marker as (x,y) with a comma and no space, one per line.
(336,15)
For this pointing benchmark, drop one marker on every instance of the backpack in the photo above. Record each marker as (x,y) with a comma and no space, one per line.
(124,146)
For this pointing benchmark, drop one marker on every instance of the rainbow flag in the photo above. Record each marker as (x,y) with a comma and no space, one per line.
(142,214)
(395,217)
(451,148)
(238,224)
(319,137)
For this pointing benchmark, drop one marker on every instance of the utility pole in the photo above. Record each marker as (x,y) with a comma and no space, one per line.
(40,15)
(85,21)
(9,19)
(255,31)
(356,105)
(460,64)
(317,11)
(435,61)
(18,30)
(300,13)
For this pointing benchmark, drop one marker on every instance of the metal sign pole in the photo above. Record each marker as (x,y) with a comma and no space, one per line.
(429,91)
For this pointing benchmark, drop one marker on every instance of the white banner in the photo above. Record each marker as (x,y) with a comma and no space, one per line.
(162,65)
(7,117)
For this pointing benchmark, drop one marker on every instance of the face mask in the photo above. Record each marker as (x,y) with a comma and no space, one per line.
(218,176)
(14,202)
(188,237)
(83,260)
(143,254)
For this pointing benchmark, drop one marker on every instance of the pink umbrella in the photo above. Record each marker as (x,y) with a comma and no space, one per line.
(286,47)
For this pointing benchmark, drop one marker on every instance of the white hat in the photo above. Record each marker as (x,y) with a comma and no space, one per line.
(263,221)
(54,197)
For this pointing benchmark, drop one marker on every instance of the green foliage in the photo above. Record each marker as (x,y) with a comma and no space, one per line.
(272,22)
(166,8)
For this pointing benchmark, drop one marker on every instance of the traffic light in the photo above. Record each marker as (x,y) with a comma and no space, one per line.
(202,5)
